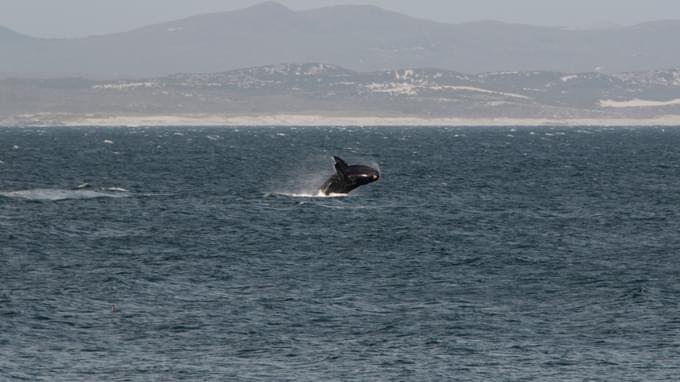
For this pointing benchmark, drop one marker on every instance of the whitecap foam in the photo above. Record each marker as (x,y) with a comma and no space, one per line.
(47,194)
(317,194)
(116,189)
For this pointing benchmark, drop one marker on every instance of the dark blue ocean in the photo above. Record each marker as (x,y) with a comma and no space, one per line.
(200,254)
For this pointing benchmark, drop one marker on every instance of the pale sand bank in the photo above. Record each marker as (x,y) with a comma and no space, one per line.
(321,120)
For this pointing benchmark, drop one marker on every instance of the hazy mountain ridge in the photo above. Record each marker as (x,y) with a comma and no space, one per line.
(8,36)
(322,89)
(362,38)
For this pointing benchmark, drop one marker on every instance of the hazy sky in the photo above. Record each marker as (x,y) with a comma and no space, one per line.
(74,18)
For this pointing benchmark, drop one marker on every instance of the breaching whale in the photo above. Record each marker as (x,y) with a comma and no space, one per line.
(347,178)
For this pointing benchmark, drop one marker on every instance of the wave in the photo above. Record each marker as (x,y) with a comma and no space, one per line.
(53,194)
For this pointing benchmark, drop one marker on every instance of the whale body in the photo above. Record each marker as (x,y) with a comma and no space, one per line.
(347,178)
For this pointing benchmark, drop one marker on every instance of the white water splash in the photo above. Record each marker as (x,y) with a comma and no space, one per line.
(318,194)
(303,179)
(48,194)
(116,189)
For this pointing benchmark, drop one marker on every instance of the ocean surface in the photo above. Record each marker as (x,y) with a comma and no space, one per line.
(202,254)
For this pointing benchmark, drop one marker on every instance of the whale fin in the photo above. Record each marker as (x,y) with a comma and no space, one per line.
(340,167)
(340,162)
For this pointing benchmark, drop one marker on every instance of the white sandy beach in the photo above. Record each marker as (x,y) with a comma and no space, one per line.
(321,120)
(65,119)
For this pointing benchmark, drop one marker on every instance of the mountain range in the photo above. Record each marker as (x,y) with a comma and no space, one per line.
(359,38)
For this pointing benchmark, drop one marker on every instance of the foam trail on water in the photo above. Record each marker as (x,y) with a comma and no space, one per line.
(50,194)
(317,194)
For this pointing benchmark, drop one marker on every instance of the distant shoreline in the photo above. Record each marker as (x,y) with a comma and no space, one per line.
(310,120)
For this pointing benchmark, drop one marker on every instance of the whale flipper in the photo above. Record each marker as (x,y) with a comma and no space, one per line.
(340,163)
(341,168)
